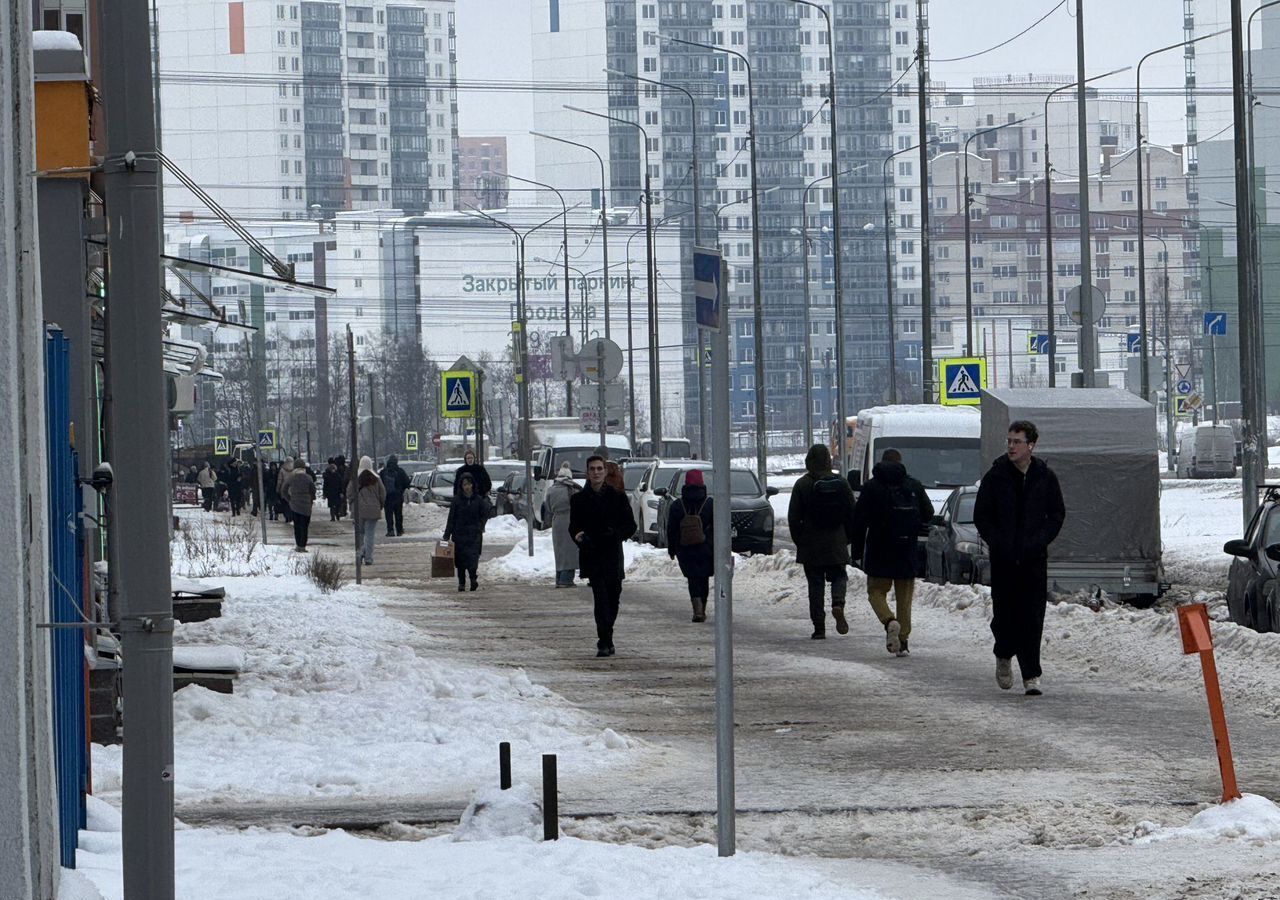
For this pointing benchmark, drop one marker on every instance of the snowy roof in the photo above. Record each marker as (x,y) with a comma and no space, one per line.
(924,419)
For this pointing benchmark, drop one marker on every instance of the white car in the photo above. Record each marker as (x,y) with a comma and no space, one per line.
(660,474)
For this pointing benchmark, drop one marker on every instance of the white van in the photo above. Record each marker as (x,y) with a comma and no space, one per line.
(940,445)
(1207,452)
(572,447)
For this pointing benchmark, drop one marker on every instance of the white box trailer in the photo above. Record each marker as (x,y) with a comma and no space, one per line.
(1101,443)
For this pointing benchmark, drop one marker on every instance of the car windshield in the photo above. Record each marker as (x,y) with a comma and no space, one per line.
(662,477)
(576,457)
(937,461)
(445,478)
(742,482)
(964,510)
(499,471)
(631,476)
(1271,534)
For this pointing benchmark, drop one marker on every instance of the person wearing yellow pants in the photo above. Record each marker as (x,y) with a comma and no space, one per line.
(891,510)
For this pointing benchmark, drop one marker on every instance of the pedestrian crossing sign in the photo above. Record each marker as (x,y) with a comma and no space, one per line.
(411,441)
(266,439)
(458,394)
(961,381)
(221,445)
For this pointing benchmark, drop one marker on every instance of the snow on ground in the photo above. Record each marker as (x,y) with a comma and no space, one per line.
(640,560)
(1196,519)
(332,701)
(339,865)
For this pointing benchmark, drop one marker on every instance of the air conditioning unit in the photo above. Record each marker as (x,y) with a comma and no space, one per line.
(182,394)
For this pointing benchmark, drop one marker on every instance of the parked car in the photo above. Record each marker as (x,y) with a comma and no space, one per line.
(498,470)
(1209,451)
(1253,597)
(659,474)
(440,486)
(417,492)
(751,528)
(412,467)
(512,497)
(954,553)
(632,474)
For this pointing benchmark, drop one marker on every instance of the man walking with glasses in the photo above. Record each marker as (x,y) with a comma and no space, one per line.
(600,520)
(1019,511)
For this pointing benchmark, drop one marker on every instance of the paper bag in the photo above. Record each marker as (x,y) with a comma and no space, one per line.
(442,560)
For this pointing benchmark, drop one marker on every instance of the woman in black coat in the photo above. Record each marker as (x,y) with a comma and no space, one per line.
(468,513)
(696,559)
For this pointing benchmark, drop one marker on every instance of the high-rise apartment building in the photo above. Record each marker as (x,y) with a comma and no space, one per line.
(303,109)
(482,167)
(651,140)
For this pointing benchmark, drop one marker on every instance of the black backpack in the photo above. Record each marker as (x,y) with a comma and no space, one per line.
(830,507)
(691,530)
(903,523)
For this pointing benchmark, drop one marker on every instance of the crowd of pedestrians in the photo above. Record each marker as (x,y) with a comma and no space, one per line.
(1018,512)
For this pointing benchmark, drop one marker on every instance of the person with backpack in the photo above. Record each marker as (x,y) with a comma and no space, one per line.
(689,540)
(558,497)
(820,517)
(892,510)
(396,482)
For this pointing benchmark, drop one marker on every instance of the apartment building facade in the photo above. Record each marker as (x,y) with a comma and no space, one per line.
(304,109)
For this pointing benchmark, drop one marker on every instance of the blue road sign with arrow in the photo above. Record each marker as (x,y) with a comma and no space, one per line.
(708,291)
(1184,387)
(1038,343)
(1133,343)
(1215,323)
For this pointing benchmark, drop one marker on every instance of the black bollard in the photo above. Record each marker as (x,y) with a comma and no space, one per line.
(550,800)
(504,765)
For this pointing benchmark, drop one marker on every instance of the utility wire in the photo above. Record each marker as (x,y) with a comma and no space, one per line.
(1005,42)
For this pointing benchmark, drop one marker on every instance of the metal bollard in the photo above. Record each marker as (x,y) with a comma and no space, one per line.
(550,800)
(504,765)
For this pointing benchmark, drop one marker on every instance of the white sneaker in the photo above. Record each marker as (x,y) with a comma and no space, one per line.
(1032,687)
(892,642)
(1004,673)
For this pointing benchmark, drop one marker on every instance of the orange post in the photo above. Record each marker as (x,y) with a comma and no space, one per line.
(1193,621)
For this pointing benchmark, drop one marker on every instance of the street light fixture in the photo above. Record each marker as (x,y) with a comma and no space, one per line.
(888,279)
(1051,309)
(564,249)
(655,397)
(697,234)
(522,322)
(758,302)
(968,249)
(604,224)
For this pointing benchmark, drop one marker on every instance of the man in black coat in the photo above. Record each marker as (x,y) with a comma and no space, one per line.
(600,520)
(1019,511)
(891,511)
(484,484)
(396,481)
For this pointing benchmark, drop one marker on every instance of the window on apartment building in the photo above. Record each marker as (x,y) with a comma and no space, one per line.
(1161,183)
(940,202)
(905,168)
(979,263)
(908,247)
(1129,246)
(941,251)
(1126,196)
(900,11)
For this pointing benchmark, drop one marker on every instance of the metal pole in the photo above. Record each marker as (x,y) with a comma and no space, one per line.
(926,286)
(631,355)
(522,344)
(601,412)
(655,373)
(968,258)
(1088,341)
(353,414)
(888,268)
(808,338)
(1252,374)
(138,446)
(1051,309)
(762,437)
(722,414)
(1168,388)
(373,422)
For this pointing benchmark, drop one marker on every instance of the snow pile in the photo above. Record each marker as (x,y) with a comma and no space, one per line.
(333,701)
(1251,818)
(54,40)
(506,528)
(495,813)
(1196,519)
(640,561)
(338,865)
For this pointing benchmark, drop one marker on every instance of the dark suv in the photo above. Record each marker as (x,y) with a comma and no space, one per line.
(1253,595)
(752,514)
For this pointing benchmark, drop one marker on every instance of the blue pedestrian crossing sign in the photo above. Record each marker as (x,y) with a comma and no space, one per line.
(1183,407)
(1038,343)
(961,381)
(266,439)
(1133,343)
(458,394)
(1215,323)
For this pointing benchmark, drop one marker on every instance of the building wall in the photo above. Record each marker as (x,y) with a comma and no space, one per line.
(482,172)
(310,107)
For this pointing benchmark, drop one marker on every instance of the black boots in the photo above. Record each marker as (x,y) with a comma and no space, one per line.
(699,608)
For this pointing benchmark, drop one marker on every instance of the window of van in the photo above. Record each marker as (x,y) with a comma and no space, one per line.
(936,462)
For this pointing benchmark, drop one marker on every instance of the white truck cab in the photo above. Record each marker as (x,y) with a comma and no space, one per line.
(941,446)
(573,447)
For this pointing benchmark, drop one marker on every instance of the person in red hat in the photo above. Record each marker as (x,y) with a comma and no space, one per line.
(689,540)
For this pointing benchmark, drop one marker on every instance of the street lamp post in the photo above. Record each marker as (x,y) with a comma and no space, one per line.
(521,325)
(888,278)
(697,234)
(1140,150)
(968,248)
(655,388)
(1168,359)
(604,222)
(564,249)
(835,232)
(758,302)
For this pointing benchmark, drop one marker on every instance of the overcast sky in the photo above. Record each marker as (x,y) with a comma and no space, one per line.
(494,45)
